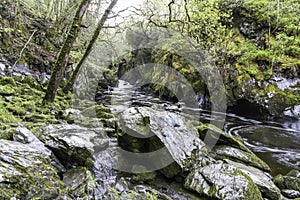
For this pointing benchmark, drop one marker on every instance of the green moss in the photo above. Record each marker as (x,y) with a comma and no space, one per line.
(16,109)
(25,102)
(287,182)
(7,81)
(89,163)
(97,111)
(31,82)
(110,76)
(146,176)
(6,116)
(253,191)
(6,90)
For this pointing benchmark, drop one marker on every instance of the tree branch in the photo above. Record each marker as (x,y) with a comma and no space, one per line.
(20,55)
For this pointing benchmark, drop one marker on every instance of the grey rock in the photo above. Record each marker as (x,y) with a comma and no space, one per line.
(290,181)
(291,194)
(25,136)
(246,157)
(293,112)
(222,137)
(2,67)
(26,173)
(179,138)
(74,145)
(261,179)
(222,181)
(80,182)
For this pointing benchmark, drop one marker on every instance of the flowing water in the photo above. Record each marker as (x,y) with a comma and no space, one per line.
(277,142)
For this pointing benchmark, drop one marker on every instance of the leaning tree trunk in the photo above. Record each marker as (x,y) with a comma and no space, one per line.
(61,62)
(88,50)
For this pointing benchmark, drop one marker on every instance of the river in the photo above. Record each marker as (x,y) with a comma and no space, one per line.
(276,141)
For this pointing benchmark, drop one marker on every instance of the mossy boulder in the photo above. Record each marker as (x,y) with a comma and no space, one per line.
(230,147)
(222,181)
(26,173)
(249,158)
(110,76)
(262,179)
(290,181)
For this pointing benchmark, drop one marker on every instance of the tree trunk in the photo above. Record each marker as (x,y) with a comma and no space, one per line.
(61,62)
(90,46)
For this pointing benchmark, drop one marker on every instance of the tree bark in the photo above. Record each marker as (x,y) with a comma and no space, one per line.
(88,50)
(61,62)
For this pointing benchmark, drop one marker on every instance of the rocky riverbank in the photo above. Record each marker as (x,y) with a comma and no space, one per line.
(59,152)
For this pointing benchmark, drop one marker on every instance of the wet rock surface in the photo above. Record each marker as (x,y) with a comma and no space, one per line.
(86,153)
(222,181)
(80,183)
(263,180)
(207,176)
(26,173)
(289,184)
(74,145)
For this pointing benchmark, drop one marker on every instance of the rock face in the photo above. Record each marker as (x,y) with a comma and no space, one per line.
(26,173)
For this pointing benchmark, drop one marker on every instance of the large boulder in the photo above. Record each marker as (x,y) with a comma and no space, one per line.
(25,136)
(222,181)
(221,178)
(231,147)
(74,145)
(26,173)
(179,138)
(261,179)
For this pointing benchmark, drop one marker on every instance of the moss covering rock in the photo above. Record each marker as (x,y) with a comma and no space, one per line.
(222,181)
(290,181)
(80,182)
(23,102)
(25,173)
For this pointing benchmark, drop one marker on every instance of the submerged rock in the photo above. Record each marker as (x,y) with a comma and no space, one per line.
(26,173)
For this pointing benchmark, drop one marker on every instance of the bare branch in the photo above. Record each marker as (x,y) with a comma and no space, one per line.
(170,10)
(20,55)
(187,11)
